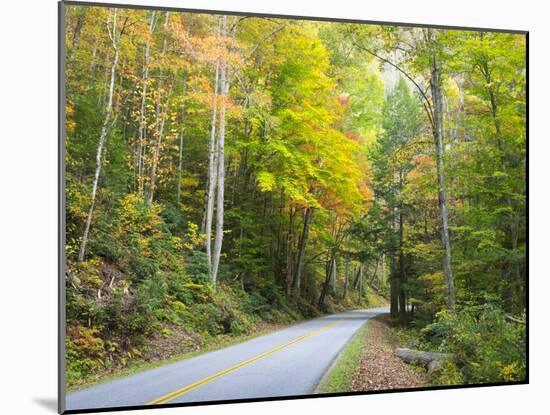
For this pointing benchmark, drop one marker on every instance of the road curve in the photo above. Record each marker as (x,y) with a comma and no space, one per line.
(286,362)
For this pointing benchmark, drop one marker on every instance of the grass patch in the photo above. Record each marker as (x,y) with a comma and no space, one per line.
(340,375)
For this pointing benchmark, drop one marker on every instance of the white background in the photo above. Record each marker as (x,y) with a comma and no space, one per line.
(28,204)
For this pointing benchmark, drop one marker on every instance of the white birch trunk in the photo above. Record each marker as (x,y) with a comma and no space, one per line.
(212,169)
(224,88)
(102,141)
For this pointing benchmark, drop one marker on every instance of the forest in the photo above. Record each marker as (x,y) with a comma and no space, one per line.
(226,175)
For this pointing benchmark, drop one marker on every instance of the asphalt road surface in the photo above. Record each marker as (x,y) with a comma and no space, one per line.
(286,362)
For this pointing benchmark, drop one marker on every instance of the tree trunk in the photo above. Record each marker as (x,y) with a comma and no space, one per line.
(224,85)
(76,34)
(212,175)
(297,279)
(394,305)
(355,284)
(160,113)
(332,279)
(383,271)
(431,360)
(102,141)
(375,273)
(332,285)
(289,244)
(346,279)
(329,276)
(361,290)
(402,294)
(156,153)
(140,145)
(436,91)
(180,160)
(241,235)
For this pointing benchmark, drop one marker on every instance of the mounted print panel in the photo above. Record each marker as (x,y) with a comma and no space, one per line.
(260,207)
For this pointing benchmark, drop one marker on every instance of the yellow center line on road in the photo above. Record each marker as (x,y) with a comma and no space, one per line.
(195,385)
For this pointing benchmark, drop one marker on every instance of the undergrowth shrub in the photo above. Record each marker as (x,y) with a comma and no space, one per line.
(84,352)
(490,348)
(448,374)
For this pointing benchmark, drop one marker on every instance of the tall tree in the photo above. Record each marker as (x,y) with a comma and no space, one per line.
(142,127)
(420,55)
(115,36)
(212,165)
(437,110)
(220,196)
(160,115)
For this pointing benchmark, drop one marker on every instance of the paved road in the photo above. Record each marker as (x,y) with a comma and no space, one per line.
(287,362)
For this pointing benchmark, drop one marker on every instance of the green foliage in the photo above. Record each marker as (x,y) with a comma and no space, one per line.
(197,266)
(107,246)
(490,348)
(84,352)
(202,318)
(448,374)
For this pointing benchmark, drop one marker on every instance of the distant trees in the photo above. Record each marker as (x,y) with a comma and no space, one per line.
(391,164)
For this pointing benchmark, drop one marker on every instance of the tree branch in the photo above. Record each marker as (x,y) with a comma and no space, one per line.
(426,102)
(270,34)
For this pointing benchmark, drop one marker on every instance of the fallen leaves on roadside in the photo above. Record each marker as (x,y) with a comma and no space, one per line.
(379,368)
